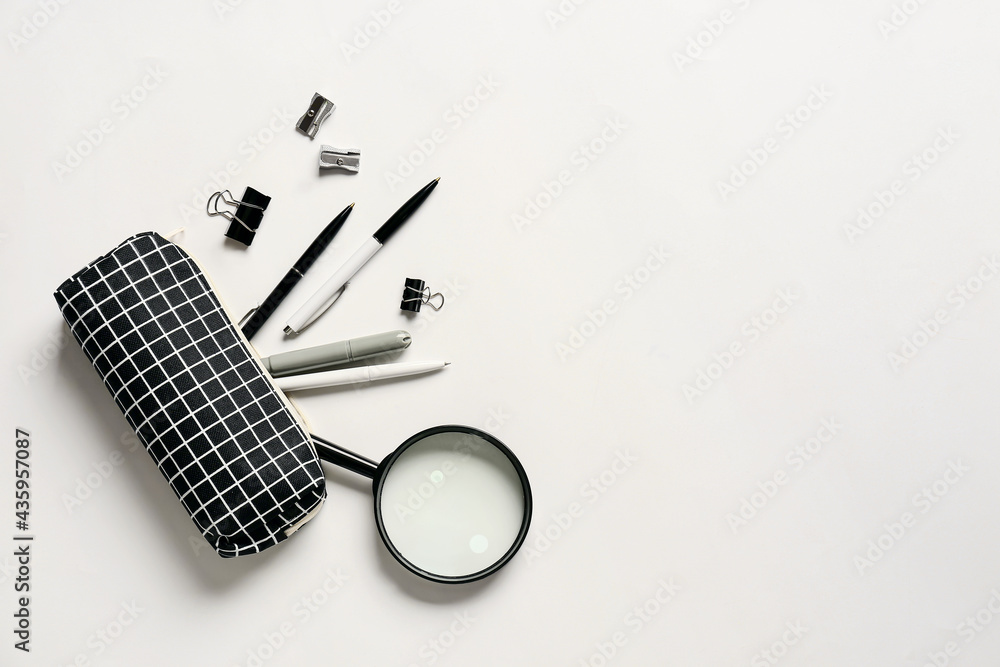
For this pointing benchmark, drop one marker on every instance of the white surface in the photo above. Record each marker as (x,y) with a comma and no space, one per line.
(615,408)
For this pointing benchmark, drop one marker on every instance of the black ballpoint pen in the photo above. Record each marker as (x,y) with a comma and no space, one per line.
(334,286)
(260,314)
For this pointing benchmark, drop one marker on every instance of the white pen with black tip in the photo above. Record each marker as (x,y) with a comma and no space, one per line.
(335,284)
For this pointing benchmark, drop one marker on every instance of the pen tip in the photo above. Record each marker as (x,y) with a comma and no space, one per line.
(351,206)
(437,179)
(447,363)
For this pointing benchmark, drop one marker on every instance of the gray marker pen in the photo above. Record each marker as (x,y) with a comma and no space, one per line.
(322,357)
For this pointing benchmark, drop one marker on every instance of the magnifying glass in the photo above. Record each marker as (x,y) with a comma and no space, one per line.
(452,503)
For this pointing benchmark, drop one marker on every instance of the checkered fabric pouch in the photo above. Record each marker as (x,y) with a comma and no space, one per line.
(222,435)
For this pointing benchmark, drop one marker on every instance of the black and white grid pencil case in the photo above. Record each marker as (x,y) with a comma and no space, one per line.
(224,437)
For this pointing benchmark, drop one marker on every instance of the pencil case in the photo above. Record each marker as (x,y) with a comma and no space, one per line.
(227,441)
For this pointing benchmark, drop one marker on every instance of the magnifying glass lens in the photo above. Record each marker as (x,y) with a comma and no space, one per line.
(452,504)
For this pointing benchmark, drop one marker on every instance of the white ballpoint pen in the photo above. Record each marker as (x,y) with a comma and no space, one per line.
(355,375)
(334,286)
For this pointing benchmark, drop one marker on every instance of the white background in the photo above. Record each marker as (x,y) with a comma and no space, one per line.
(516,293)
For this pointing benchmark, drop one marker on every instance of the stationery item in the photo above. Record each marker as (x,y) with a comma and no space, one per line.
(254,320)
(356,375)
(323,357)
(416,293)
(231,446)
(452,503)
(334,286)
(244,222)
(234,450)
(340,159)
(319,109)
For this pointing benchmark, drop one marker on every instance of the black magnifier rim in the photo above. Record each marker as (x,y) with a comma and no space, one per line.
(525,517)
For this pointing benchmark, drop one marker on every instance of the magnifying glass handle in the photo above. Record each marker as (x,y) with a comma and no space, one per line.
(339,456)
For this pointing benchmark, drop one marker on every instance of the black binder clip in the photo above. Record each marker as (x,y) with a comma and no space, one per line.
(416,294)
(244,222)
(318,110)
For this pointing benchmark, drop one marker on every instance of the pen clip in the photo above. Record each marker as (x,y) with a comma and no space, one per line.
(326,306)
(246,318)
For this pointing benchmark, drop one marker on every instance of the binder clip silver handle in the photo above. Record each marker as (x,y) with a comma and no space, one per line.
(416,293)
(244,221)
(226,197)
(340,159)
